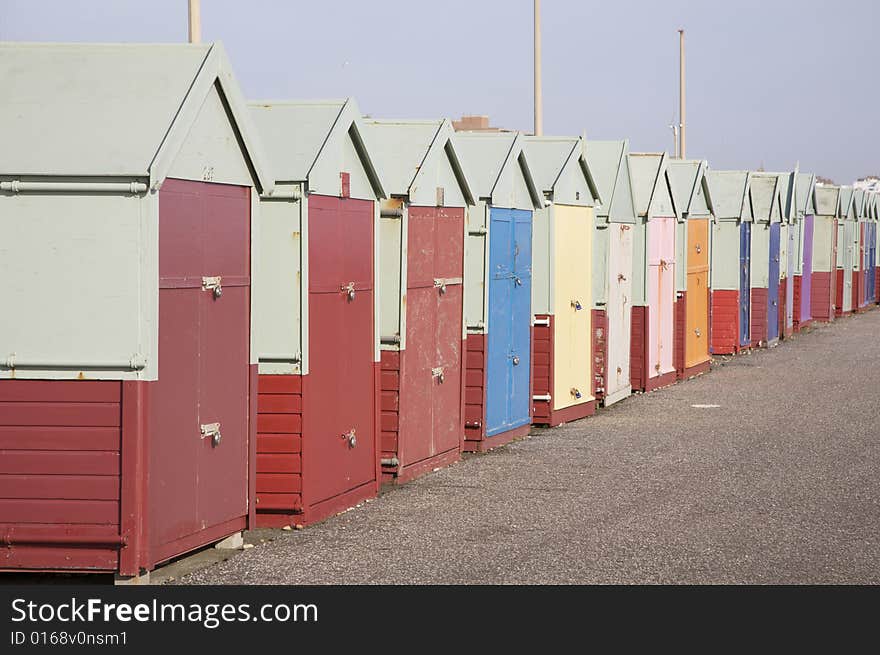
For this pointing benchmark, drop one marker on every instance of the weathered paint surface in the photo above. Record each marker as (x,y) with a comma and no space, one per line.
(571,303)
(339,392)
(661,295)
(619,311)
(431,372)
(508,399)
(697,330)
(725,321)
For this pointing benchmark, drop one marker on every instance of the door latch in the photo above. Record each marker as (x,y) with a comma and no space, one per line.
(351,438)
(440,285)
(621,277)
(515,359)
(577,305)
(211,430)
(348,289)
(517,281)
(438,373)
(699,248)
(213,284)
(576,392)
(698,332)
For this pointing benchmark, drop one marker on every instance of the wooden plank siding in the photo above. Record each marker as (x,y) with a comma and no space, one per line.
(60,444)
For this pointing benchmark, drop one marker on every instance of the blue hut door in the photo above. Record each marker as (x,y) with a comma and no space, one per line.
(521,345)
(773,285)
(745,299)
(509,334)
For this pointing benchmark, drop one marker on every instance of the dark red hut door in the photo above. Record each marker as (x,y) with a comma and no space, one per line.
(431,421)
(338,449)
(199,406)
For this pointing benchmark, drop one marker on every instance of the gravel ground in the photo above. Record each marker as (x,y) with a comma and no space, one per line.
(779,484)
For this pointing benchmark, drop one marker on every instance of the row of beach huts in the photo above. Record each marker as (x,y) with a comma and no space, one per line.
(221,314)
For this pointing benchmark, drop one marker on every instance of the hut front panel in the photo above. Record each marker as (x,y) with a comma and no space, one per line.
(661,295)
(339,393)
(619,307)
(197,484)
(697,331)
(773,273)
(572,303)
(508,394)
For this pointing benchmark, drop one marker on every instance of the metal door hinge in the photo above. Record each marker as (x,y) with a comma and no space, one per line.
(211,430)
(438,373)
(351,438)
(213,284)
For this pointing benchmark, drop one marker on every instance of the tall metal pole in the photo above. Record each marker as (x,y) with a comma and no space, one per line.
(539,104)
(195,21)
(682,103)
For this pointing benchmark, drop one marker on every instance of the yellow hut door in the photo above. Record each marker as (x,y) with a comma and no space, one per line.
(697,341)
(572,268)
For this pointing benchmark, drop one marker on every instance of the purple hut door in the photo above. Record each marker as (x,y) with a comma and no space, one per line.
(807,270)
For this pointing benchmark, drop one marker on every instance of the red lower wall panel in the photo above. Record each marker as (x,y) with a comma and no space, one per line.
(784,328)
(279,449)
(759,317)
(542,369)
(60,475)
(725,322)
(679,334)
(638,357)
(857,290)
(796,313)
(475,390)
(821,306)
(600,353)
(389,421)
(838,306)
(877,285)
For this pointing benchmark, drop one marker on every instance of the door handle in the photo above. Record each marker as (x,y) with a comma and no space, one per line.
(698,332)
(517,281)
(438,373)
(515,359)
(348,289)
(351,438)
(699,248)
(213,284)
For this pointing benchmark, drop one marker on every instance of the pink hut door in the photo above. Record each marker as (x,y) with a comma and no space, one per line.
(661,295)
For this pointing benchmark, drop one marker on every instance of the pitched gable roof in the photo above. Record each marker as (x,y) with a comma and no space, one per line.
(551,158)
(112,109)
(403,150)
(297,133)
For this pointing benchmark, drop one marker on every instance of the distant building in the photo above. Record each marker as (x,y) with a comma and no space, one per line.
(474,124)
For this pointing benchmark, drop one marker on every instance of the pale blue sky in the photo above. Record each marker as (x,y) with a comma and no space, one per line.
(772,82)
